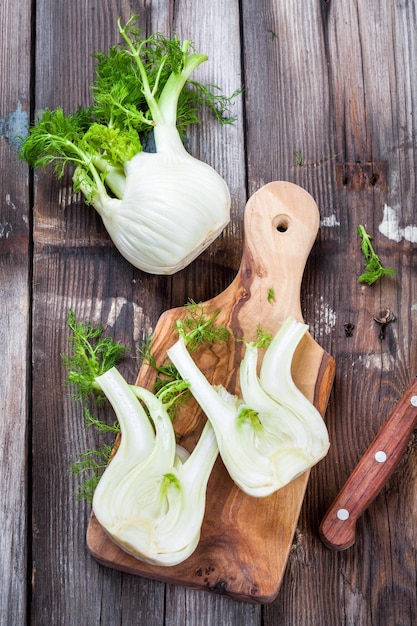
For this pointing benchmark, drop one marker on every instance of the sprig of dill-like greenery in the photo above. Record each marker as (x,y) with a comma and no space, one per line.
(374,269)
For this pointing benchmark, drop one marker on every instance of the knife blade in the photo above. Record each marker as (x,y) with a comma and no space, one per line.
(338,527)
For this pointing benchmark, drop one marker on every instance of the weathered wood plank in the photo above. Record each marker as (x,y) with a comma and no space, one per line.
(379,371)
(14,310)
(192,608)
(338,79)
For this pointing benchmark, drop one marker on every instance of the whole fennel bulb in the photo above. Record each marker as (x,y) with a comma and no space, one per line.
(161,209)
(173,207)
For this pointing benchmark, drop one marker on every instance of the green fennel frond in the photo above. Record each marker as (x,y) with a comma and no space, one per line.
(199,96)
(91,421)
(263,338)
(166,372)
(116,145)
(58,139)
(373,268)
(154,51)
(172,394)
(119,100)
(169,387)
(199,327)
(93,463)
(130,79)
(211,97)
(131,76)
(55,138)
(271,295)
(92,354)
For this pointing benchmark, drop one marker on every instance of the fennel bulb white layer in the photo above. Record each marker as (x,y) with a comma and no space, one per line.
(269,436)
(282,388)
(173,207)
(151,497)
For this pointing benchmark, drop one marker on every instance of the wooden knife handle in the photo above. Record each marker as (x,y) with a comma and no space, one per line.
(337,530)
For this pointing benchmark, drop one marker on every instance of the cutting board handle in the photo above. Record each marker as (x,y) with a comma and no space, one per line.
(281,223)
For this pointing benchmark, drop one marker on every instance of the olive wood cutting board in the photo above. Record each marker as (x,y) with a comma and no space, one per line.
(245,541)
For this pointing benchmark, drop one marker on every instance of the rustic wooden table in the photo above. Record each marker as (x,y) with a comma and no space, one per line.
(329,103)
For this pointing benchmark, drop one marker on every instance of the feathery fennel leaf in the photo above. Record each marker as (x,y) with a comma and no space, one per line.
(198,327)
(373,269)
(90,466)
(91,355)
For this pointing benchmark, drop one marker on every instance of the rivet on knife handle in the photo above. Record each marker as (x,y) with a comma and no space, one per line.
(337,530)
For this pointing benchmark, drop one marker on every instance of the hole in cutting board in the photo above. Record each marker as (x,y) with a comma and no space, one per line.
(281,223)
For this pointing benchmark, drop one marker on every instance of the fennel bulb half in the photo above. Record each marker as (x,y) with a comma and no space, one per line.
(151,497)
(271,434)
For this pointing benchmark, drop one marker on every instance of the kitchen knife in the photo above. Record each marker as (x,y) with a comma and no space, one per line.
(337,530)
